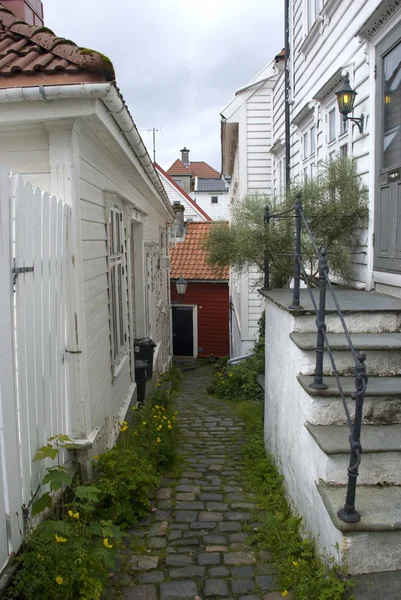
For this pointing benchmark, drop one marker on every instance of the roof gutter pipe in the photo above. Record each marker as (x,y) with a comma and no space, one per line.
(287,93)
(252,84)
(111,98)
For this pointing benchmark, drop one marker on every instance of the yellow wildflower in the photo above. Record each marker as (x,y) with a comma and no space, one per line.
(73,515)
(41,558)
(106,543)
(59,580)
(295,563)
(164,418)
(158,440)
(169,426)
(157,406)
(230,374)
(60,539)
(159,384)
(285,593)
(134,408)
(124,428)
(96,457)
(143,422)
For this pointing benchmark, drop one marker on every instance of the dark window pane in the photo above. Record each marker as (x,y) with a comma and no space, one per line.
(392,108)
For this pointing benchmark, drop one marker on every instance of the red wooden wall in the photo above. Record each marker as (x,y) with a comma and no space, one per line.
(212,300)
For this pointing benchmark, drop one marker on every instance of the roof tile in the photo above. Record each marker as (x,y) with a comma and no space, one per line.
(188,258)
(195,168)
(28,49)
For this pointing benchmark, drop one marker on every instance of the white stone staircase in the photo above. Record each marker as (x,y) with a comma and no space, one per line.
(307,431)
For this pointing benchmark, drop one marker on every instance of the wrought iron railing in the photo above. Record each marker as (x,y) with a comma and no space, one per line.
(348,513)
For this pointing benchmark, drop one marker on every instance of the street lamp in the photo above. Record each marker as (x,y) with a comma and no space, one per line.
(181,285)
(346,100)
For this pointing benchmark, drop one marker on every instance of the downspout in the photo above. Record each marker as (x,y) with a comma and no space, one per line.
(287,94)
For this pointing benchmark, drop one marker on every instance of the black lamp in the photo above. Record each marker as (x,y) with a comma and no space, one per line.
(181,285)
(346,100)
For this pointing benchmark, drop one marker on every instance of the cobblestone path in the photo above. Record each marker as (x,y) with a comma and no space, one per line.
(194,545)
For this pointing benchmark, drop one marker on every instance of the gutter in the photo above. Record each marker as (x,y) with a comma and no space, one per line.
(252,84)
(112,99)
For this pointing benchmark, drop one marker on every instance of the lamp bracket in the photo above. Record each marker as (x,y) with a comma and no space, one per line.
(358,121)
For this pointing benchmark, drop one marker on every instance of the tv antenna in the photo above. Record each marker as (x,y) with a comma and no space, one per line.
(153,130)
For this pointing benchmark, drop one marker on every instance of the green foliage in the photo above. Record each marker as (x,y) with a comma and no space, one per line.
(67,557)
(298,567)
(238,382)
(128,473)
(335,206)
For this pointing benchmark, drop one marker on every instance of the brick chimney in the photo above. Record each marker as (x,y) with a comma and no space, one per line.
(30,11)
(185,156)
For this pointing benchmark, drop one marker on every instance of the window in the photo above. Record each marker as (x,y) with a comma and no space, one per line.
(215,199)
(313,8)
(306,145)
(344,151)
(117,284)
(313,139)
(332,125)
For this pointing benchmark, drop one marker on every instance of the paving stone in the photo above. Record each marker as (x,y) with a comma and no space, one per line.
(188,489)
(186,515)
(229,526)
(203,525)
(165,504)
(179,526)
(242,572)
(218,572)
(188,505)
(216,587)
(265,569)
(164,493)
(186,496)
(215,467)
(216,548)
(156,543)
(178,561)
(238,516)
(214,539)
(249,597)
(238,547)
(191,533)
(140,592)
(239,558)
(187,542)
(178,590)
(158,529)
(266,582)
(209,559)
(277,596)
(174,535)
(162,515)
(192,571)
(121,579)
(207,496)
(243,505)
(143,563)
(240,586)
(190,475)
(216,506)
(236,496)
(237,537)
(210,516)
(152,577)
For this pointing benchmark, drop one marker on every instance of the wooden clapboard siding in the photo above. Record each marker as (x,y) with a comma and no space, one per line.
(212,300)
(259,119)
(25,150)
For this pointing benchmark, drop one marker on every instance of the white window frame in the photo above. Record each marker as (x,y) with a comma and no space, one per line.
(309,142)
(117,273)
(312,11)
(331,140)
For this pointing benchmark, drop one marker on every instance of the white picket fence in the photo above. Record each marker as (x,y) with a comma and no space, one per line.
(33,381)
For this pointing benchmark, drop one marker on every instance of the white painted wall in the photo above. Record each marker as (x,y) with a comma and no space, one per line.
(217,212)
(190,214)
(82,162)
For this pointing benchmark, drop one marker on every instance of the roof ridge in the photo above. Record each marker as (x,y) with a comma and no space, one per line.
(46,40)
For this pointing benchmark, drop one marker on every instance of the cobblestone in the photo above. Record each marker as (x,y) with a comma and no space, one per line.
(195,544)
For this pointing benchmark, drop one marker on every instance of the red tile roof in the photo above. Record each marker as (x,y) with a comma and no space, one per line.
(183,193)
(195,169)
(34,51)
(188,258)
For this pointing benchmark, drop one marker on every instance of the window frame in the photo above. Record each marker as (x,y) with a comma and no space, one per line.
(117,277)
(214,199)
(331,130)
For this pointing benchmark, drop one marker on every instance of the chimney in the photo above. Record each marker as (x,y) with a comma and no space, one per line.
(185,156)
(30,11)
(179,219)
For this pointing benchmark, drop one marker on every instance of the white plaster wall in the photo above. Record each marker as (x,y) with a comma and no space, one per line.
(217,212)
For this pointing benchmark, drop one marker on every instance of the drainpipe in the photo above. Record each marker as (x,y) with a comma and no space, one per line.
(287,93)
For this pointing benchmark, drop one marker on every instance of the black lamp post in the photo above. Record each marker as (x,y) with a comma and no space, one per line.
(346,100)
(181,285)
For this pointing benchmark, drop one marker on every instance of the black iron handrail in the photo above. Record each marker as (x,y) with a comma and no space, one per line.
(348,513)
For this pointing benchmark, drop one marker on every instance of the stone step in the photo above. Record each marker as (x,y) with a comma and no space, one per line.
(374,543)
(381,455)
(383,352)
(382,404)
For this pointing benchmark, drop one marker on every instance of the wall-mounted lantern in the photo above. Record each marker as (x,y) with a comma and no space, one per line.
(181,285)
(346,100)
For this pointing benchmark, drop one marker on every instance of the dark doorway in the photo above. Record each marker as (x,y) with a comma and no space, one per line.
(183,331)
(388,125)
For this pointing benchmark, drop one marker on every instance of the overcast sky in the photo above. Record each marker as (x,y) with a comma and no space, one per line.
(178,62)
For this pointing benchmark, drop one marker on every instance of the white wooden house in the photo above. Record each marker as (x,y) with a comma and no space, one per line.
(246,142)
(65,127)
(305,429)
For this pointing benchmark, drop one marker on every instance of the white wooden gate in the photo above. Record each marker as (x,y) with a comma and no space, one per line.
(33,382)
